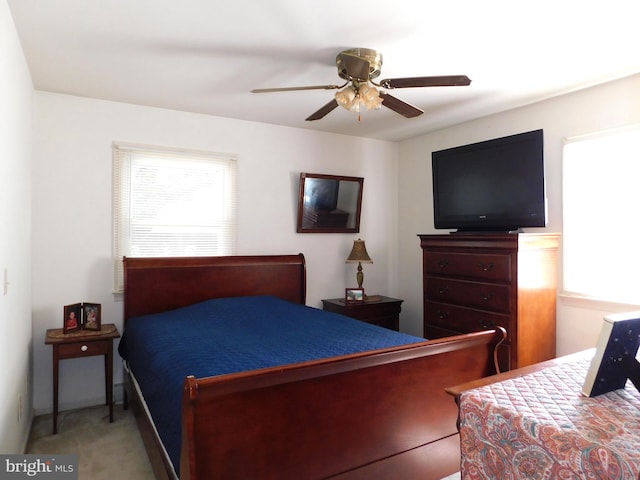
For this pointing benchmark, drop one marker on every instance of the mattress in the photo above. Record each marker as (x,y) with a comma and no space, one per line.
(230,335)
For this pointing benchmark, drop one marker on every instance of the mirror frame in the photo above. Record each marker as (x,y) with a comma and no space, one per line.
(339,198)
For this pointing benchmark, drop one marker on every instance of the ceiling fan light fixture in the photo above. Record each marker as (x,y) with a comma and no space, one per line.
(370,97)
(346,97)
(352,98)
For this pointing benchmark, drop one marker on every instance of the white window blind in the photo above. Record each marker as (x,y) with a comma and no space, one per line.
(600,216)
(171,203)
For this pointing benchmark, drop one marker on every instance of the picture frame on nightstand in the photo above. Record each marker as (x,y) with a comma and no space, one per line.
(91,318)
(353,295)
(72,318)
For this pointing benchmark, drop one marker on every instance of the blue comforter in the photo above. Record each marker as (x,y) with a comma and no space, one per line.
(229,335)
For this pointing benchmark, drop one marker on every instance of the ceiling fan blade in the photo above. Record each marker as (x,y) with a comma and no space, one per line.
(329,107)
(356,67)
(441,81)
(398,106)
(292,89)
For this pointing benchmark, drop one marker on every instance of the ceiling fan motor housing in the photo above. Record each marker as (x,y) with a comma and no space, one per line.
(345,61)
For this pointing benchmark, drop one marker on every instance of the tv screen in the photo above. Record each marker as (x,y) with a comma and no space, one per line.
(495,185)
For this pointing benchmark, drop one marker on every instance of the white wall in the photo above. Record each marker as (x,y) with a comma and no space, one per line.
(16,94)
(72,211)
(607,106)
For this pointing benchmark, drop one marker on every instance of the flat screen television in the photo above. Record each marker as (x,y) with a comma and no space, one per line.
(494,185)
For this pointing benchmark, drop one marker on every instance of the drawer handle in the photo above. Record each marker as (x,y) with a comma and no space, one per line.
(442,315)
(486,296)
(486,267)
(443,264)
(442,290)
(487,324)
(84,348)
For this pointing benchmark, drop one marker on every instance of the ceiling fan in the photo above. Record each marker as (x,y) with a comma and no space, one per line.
(359,67)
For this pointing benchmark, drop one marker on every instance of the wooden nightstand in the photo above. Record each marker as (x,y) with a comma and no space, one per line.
(83,343)
(376,309)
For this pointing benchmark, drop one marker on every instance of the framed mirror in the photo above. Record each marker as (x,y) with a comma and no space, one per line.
(329,203)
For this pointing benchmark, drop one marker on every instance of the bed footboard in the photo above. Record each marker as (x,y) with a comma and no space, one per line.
(345,417)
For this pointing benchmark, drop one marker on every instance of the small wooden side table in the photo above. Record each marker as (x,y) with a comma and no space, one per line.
(83,343)
(376,309)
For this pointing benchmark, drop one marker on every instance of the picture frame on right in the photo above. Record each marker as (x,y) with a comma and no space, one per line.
(91,318)
(354,295)
(72,318)
(614,361)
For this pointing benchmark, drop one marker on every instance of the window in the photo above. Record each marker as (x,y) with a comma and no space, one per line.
(170,203)
(601,230)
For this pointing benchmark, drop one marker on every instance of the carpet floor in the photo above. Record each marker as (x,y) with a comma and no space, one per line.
(106,451)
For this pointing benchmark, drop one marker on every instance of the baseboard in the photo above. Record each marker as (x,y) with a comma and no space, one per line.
(118,396)
(25,440)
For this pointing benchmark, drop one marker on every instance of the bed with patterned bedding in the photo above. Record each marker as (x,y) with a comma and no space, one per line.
(537,424)
(237,378)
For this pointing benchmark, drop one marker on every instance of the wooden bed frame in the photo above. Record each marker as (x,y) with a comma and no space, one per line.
(379,414)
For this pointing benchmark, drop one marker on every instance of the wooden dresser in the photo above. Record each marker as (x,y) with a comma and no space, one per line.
(477,281)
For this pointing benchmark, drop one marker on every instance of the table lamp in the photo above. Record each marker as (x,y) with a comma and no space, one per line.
(359,255)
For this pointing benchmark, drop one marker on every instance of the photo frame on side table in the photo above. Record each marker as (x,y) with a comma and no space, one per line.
(72,318)
(91,318)
(353,295)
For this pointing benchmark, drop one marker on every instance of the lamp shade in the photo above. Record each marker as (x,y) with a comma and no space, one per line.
(359,253)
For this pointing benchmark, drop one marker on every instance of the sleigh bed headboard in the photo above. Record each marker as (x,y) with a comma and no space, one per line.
(153,285)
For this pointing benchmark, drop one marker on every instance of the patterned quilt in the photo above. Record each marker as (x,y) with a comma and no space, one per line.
(539,426)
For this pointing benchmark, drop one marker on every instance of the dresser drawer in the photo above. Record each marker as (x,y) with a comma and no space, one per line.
(84,349)
(465,320)
(483,266)
(485,296)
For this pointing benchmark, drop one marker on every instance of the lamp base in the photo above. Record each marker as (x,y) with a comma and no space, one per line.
(360,275)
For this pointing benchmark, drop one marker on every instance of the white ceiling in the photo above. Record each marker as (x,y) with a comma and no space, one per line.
(205,55)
